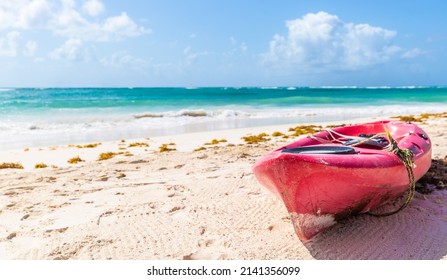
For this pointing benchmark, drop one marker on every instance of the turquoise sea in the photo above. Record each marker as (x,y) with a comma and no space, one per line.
(50,116)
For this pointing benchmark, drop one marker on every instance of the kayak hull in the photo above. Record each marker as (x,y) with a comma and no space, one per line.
(320,189)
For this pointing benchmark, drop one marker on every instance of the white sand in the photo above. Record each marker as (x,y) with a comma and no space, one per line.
(189,205)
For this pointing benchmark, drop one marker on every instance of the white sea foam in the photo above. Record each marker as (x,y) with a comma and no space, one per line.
(51,129)
(336,87)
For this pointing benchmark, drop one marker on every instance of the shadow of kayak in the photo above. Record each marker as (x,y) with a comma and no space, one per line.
(418,232)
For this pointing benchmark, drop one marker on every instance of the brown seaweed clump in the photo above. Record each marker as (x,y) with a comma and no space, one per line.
(435,178)
(216,142)
(255,139)
(305,129)
(75,160)
(88,146)
(167,147)
(139,144)
(107,155)
(40,165)
(279,134)
(10,165)
(420,118)
(409,118)
(200,149)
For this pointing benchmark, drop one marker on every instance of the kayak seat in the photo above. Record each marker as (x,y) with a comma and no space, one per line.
(336,150)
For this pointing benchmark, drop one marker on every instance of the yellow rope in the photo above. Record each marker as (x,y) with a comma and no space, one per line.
(406,156)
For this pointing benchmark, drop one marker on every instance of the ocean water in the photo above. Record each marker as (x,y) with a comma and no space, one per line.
(50,116)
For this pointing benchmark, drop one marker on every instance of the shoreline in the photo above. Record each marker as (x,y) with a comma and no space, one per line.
(185,142)
(186,204)
(50,131)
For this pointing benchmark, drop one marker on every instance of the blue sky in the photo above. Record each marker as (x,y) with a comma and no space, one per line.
(105,43)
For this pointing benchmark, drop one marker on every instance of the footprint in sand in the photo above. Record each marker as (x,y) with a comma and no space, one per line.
(58,230)
(105,214)
(208,253)
(120,175)
(103,178)
(176,208)
(10,193)
(26,216)
(205,243)
(11,236)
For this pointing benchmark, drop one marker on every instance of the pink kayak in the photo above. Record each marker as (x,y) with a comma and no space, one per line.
(348,170)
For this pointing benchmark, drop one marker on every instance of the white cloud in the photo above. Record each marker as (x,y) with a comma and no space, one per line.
(93,7)
(122,26)
(35,13)
(412,53)
(321,42)
(71,24)
(9,44)
(238,46)
(191,56)
(124,60)
(31,47)
(65,19)
(70,50)
(23,14)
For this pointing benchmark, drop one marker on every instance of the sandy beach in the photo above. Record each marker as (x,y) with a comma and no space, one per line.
(198,199)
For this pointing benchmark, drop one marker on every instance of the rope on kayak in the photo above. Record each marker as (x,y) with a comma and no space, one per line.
(336,137)
(333,139)
(406,156)
(359,139)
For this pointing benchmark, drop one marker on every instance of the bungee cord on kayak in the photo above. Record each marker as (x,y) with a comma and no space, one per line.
(406,156)
(377,140)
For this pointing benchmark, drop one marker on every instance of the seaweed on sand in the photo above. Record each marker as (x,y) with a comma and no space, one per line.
(75,160)
(167,147)
(435,178)
(40,165)
(107,155)
(420,118)
(305,129)
(216,142)
(255,139)
(138,144)
(88,146)
(10,165)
